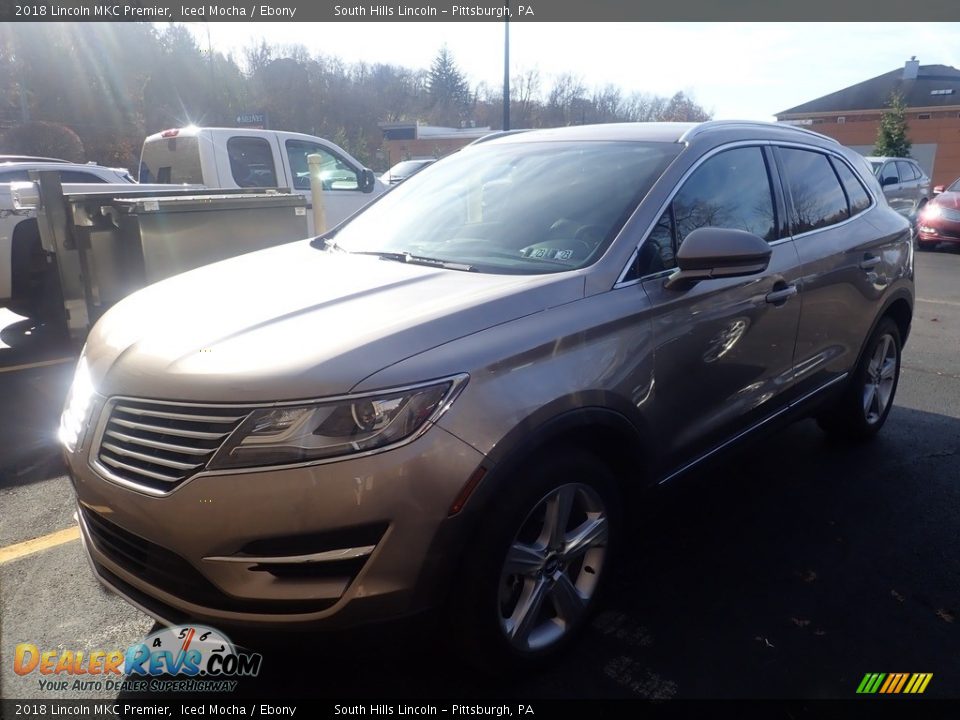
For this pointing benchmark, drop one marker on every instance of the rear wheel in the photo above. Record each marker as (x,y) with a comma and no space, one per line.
(863,408)
(532,578)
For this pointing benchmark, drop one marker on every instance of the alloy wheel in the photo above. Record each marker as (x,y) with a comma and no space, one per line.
(553,567)
(880,378)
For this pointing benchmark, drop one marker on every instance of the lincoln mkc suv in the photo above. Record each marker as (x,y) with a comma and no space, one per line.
(445,402)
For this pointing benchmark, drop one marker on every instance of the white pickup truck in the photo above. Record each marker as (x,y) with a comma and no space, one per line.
(251,158)
(223,158)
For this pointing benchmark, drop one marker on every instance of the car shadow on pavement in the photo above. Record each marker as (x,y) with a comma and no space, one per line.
(29,450)
(789,570)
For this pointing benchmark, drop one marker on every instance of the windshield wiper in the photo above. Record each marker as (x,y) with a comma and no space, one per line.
(406,257)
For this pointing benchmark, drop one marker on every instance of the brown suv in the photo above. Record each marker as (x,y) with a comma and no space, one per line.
(443,401)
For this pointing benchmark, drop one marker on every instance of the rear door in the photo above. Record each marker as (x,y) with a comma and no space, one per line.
(724,350)
(909,184)
(890,181)
(249,162)
(846,266)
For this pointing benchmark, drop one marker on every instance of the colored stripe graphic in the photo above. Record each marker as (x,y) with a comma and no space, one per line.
(894,683)
(903,680)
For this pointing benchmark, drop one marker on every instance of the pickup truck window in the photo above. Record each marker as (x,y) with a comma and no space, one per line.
(171,160)
(335,172)
(251,162)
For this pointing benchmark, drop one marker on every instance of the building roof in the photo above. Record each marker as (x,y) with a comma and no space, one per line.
(874,94)
(416,131)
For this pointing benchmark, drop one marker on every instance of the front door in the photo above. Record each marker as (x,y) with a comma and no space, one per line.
(724,348)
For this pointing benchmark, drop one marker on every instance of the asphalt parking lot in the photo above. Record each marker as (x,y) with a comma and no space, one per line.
(790,570)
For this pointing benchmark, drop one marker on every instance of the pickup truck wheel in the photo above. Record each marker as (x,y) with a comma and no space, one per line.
(532,578)
(863,408)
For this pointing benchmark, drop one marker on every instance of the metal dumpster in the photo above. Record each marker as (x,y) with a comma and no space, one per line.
(108,244)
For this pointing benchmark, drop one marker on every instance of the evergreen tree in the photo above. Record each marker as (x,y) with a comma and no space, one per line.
(892,140)
(447,89)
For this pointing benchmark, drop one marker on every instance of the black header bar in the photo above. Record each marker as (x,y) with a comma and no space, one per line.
(476,11)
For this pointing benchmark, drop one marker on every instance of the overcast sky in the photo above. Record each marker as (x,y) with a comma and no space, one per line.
(736,70)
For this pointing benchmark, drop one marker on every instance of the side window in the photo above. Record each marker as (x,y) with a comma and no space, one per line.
(730,190)
(14,176)
(888,176)
(818,198)
(335,173)
(906,171)
(857,196)
(251,162)
(75,176)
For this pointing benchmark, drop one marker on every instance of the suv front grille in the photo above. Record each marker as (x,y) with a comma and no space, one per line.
(157,446)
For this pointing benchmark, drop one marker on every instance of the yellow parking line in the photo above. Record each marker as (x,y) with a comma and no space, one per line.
(42,363)
(15,552)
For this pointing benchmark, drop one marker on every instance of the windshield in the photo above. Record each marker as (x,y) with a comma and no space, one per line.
(531,208)
(875,165)
(954,186)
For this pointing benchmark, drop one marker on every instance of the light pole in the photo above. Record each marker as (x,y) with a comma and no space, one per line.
(506,68)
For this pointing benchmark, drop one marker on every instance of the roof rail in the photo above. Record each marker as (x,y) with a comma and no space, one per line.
(716,124)
(497,134)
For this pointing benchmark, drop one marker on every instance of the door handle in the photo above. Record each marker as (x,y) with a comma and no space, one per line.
(870,261)
(782,295)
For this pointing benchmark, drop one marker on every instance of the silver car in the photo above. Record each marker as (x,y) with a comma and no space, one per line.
(905,184)
(447,401)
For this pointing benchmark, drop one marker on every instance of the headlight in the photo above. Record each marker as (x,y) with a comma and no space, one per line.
(77,406)
(337,427)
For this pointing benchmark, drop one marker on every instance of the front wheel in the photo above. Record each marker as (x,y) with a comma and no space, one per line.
(863,408)
(532,577)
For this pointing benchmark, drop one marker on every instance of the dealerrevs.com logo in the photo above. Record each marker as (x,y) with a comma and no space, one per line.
(184,658)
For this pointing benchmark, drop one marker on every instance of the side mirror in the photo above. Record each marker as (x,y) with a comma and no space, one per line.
(367,180)
(937,189)
(888,181)
(712,252)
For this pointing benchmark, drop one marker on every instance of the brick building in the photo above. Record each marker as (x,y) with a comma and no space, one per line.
(412,141)
(932,96)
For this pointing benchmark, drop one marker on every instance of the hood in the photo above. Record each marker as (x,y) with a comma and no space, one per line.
(294,322)
(948,200)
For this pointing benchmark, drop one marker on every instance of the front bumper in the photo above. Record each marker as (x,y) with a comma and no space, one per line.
(938,231)
(332,545)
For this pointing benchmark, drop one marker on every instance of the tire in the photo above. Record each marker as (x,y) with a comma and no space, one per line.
(529,583)
(865,404)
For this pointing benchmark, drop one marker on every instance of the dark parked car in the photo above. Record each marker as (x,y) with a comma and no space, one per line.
(447,401)
(939,221)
